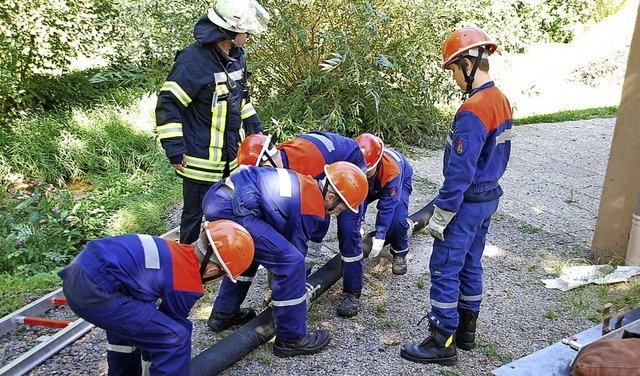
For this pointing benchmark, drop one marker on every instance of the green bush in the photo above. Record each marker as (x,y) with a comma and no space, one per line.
(350,67)
(42,38)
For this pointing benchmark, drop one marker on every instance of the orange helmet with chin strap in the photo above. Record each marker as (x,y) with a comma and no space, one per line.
(372,148)
(254,149)
(229,245)
(349,182)
(466,42)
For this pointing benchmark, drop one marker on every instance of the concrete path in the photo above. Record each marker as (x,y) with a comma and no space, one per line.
(555,175)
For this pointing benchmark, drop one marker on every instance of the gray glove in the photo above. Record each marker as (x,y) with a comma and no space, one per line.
(314,254)
(438,222)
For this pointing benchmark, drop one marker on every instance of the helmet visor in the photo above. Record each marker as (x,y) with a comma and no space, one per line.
(256,19)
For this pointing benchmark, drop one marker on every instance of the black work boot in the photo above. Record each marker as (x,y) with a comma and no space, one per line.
(349,304)
(466,332)
(399,264)
(219,321)
(439,347)
(311,344)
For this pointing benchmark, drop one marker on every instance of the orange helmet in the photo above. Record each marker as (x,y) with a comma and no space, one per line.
(349,182)
(372,148)
(232,246)
(253,148)
(462,41)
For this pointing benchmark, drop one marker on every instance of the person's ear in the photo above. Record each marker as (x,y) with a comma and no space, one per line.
(212,269)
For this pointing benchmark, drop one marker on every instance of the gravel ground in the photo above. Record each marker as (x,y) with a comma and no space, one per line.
(537,226)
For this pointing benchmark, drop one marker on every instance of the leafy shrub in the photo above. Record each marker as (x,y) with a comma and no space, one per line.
(37,230)
(349,67)
(42,37)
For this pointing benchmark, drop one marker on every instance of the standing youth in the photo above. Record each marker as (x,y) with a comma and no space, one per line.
(475,158)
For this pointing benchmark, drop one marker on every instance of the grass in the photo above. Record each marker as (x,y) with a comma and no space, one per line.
(570,115)
(75,176)
(17,291)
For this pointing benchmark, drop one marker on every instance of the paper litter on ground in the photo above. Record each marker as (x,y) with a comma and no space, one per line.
(576,276)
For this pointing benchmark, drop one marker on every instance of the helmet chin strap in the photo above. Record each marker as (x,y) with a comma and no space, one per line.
(468,78)
(224,32)
(205,262)
(325,189)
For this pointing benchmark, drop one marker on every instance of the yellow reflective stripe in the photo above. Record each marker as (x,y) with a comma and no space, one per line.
(247,110)
(205,163)
(218,124)
(233,165)
(449,341)
(169,130)
(176,90)
(212,177)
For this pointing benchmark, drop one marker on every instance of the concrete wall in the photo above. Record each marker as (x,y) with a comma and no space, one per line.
(621,189)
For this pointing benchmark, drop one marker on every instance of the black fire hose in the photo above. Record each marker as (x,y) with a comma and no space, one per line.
(240,343)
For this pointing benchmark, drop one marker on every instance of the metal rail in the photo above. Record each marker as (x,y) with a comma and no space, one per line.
(28,315)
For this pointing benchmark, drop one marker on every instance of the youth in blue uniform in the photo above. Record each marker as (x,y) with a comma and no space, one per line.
(390,183)
(281,209)
(475,158)
(307,154)
(140,289)
(204,109)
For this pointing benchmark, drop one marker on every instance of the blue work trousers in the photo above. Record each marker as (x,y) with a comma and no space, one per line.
(456,264)
(132,327)
(350,244)
(397,236)
(278,256)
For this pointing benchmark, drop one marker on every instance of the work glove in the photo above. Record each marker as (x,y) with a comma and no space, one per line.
(376,247)
(439,221)
(314,254)
(412,224)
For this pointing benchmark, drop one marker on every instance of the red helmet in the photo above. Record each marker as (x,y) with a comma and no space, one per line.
(349,182)
(462,41)
(372,148)
(232,246)
(253,148)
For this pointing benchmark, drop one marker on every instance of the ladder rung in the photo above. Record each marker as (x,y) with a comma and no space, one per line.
(59,300)
(39,321)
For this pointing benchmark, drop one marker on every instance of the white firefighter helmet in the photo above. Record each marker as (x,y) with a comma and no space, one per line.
(240,16)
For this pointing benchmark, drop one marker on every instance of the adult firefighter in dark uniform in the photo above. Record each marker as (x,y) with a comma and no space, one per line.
(281,209)
(308,154)
(204,110)
(475,158)
(140,289)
